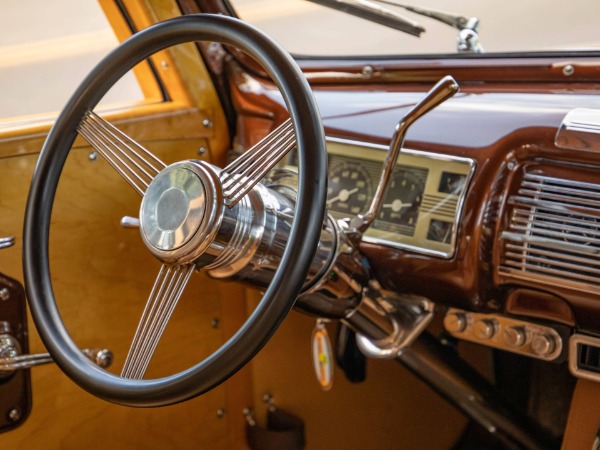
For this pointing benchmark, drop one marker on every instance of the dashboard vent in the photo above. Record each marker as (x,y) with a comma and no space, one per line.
(554,233)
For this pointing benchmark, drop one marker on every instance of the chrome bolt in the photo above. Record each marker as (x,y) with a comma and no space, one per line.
(207,123)
(367,71)
(511,165)
(93,156)
(568,70)
(220,413)
(202,150)
(14,415)
(5,327)
(215,323)
(4,294)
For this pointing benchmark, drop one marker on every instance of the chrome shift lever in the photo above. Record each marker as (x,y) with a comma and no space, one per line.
(442,91)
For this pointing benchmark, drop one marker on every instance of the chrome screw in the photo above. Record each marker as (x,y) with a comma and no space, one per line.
(367,71)
(93,156)
(220,413)
(5,327)
(568,70)
(202,150)
(207,123)
(14,415)
(4,294)
(215,323)
(164,65)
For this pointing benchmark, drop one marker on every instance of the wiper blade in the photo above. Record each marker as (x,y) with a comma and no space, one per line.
(372,12)
(454,20)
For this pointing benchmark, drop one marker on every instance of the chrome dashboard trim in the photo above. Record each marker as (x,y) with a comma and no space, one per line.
(574,368)
(420,153)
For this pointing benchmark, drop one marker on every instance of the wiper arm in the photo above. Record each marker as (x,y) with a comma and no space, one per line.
(468,39)
(454,20)
(372,12)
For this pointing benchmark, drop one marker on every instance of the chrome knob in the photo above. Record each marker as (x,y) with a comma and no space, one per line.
(455,322)
(130,222)
(485,329)
(7,242)
(514,336)
(543,344)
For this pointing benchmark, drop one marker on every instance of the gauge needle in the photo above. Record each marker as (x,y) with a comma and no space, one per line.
(343,196)
(396,205)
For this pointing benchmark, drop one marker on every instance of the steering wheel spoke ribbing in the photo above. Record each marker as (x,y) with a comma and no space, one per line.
(242,174)
(132,161)
(165,294)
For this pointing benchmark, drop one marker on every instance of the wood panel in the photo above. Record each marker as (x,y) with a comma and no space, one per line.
(584,417)
(102,275)
(391,409)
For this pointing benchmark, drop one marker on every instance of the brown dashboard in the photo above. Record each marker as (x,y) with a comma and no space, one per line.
(500,137)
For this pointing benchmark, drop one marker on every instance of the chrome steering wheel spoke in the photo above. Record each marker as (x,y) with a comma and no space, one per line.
(132,161)
(165,294)
(241,175)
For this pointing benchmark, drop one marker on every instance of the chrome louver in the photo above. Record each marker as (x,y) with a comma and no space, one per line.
(554,233)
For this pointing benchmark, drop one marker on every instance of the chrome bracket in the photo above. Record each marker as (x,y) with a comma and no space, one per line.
(15,388)
(408,316)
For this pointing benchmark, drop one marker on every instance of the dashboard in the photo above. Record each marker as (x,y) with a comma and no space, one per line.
(445,231)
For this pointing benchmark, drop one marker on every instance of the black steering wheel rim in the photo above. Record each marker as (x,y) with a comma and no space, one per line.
(289,278)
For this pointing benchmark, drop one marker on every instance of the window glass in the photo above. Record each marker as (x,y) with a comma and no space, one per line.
(47,48)
(306,28)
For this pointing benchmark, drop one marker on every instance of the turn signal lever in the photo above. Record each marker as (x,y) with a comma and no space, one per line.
(11,358)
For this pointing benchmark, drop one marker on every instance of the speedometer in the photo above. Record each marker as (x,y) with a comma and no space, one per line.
(350,188)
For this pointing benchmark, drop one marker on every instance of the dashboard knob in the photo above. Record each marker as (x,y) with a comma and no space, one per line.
(455,322)
(543,344)
(514,336)
(485,329)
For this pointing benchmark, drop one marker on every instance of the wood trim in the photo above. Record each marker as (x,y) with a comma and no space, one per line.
(584,417)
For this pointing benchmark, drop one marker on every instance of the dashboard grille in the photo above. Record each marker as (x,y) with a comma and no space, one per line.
(554,233)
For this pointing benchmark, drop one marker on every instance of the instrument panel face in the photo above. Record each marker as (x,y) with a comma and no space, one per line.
(422,206)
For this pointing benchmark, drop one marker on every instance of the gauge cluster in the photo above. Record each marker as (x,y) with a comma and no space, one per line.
(422,206)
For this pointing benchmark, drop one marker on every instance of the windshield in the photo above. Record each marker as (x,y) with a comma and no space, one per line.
(307,28)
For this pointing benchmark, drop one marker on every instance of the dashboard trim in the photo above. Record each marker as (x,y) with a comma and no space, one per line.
(460,201)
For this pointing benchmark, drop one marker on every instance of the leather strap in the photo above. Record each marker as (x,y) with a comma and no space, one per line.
(284,431)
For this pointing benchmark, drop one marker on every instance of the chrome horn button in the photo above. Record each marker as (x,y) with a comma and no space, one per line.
(180,211)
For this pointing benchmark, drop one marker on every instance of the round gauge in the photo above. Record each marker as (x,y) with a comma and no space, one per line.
(349,189)
(403,199)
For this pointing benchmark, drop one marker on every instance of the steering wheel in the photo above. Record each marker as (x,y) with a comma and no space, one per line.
(168,236)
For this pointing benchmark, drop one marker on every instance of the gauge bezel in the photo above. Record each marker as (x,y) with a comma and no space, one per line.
(460,198)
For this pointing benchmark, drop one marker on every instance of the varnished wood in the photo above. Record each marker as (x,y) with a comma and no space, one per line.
(584,417)
(102,277)
(392,409)
(102,272)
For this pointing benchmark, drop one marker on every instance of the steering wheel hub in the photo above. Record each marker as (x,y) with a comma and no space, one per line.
(180,211)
